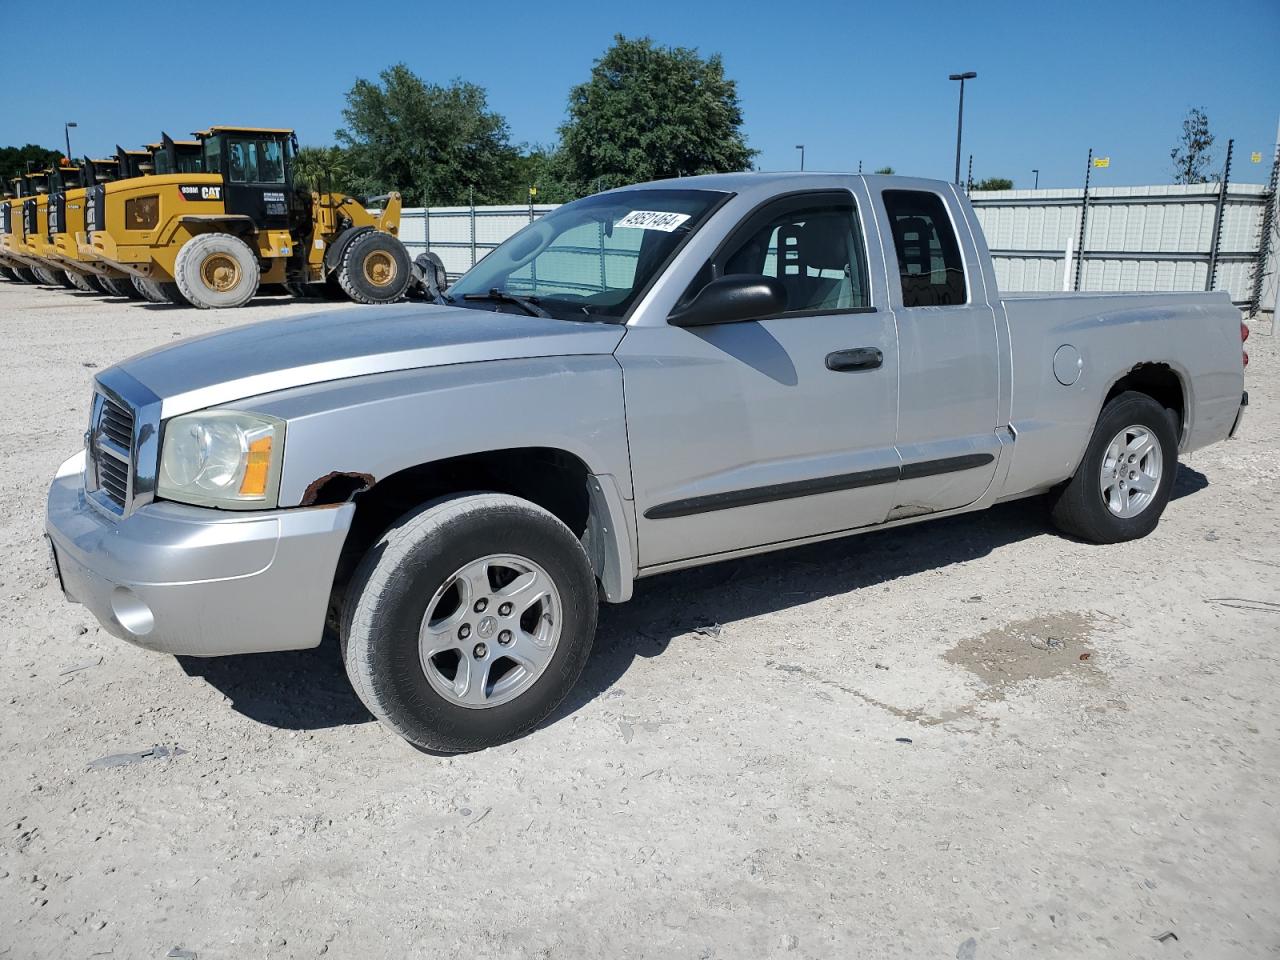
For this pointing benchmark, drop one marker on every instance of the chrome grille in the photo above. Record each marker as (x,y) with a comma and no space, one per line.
(117,422)
(113,479)
(111,451)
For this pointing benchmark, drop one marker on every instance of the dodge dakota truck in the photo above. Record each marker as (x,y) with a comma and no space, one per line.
(644,380)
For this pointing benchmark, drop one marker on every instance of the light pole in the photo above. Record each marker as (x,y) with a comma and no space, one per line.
(1037,173)
(66,132)
(962,77)
(800,147)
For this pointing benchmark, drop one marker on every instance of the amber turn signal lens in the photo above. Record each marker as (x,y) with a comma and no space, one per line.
(254,483)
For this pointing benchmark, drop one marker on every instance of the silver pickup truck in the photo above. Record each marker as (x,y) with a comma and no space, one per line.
(648,379)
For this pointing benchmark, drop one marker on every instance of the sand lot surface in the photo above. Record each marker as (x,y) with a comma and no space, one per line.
(971,738)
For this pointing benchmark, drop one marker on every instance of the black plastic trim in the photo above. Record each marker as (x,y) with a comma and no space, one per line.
(808,488)
(932,468)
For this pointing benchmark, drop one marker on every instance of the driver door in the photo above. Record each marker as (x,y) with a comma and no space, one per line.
(766,431)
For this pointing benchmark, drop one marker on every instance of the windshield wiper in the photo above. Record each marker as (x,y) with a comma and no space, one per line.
(528,304)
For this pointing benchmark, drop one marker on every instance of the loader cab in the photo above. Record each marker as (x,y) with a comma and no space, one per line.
(62,178)
(133,163)
(176,156)
(35,187)
(256,166)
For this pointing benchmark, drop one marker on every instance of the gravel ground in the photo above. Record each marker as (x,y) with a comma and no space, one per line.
(971,738)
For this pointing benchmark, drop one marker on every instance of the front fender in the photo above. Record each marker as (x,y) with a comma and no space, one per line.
(379,425)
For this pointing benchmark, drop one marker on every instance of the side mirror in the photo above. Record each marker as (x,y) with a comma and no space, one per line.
(732,299)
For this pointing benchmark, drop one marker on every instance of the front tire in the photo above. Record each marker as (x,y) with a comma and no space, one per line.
(469,621)
(216,271)
(375,268)
(1123,482)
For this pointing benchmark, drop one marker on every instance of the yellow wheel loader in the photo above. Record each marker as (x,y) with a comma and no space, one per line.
(24,238)
(240,221)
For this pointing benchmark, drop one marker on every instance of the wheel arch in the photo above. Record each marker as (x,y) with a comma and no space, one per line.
(1163,382)
(555,479)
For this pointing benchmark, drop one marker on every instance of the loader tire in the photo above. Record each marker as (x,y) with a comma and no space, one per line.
(24,275)
(375,268)
(148,290)
(216,271)
(95,283)
(8,274)
(80,282)
(64,279)
(161,291)
(121,287)
(45,277)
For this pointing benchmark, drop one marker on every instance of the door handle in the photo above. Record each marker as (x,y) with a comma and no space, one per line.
(859,358)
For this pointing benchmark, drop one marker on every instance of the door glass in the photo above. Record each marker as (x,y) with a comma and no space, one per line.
(817,253)
(256,161)
(929,262)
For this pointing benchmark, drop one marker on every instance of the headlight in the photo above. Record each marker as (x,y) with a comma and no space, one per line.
(222,458)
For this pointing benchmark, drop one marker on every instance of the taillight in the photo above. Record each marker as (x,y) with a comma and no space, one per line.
(1244,335)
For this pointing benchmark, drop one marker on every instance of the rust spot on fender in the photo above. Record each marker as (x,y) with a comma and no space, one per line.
(336,487)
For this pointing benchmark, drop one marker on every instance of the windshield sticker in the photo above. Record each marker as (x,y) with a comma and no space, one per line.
(652,220)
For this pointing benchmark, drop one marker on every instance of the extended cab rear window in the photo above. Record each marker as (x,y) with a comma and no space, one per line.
(929,263)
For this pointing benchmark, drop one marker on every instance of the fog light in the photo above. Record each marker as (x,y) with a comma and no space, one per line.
(132,614)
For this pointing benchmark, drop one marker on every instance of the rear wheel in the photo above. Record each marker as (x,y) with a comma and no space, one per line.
(217,270)
(24,275)
(80,281)
(121,287)
(45,276)
(469,621)
(1123,483)
(375,268)
(64,279)
(149,291)
(95,283)
(160,291)
(9,275)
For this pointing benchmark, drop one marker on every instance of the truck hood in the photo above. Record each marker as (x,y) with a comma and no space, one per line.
(295,351)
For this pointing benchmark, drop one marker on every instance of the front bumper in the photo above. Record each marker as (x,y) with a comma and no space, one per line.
(194,581)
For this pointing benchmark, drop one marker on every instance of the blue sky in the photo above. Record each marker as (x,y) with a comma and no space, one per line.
(852,81)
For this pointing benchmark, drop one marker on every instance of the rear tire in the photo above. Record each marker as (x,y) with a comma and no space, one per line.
(95,283)
(375,268)
(80,282)
(24,275)
(510,667)
(217,271)
(149,291)
(1123,482)
(64,279)
(160,291)
(45,277)
(8,274)
(121,287)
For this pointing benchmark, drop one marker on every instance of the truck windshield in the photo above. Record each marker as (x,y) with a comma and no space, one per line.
(590,259)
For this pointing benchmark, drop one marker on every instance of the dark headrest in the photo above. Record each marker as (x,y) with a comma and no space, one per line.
(824,242)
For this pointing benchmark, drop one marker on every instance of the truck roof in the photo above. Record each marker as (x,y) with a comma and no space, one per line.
(222,128)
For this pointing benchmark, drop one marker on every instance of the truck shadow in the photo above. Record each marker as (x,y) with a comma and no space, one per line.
(308,689)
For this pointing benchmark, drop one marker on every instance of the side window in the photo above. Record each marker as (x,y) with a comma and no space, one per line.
(929,262)
(816,251)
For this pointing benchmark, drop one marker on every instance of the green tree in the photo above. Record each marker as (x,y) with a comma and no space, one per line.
(994,183)
(543,168)
(434,144)
(1191,157)
(650,112)
(324,169)
(15,160)
(887,171)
